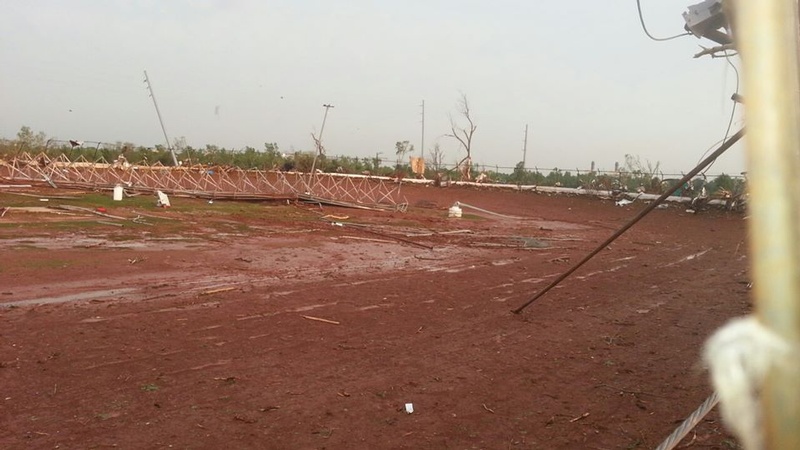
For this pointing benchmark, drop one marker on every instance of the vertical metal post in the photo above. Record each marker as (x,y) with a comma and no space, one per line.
(319,141)
(525,147)
(422,141)
(324,118)
(766,34)
(160,120)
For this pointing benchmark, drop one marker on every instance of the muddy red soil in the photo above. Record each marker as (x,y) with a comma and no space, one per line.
(270,327)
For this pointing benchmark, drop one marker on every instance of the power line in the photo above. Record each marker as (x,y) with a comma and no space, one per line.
(644,27)
(733,110)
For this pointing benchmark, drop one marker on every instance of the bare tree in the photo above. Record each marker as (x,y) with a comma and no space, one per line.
(437,157)
(464,135)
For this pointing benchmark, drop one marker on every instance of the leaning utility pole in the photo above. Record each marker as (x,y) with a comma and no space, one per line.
(318,139)
(525,147)
(324,118)
(160,120)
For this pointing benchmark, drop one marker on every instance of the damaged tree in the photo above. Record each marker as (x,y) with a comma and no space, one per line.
(464,136)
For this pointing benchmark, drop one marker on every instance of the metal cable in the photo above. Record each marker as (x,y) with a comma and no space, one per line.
(487,211)
(644,27)
(688,425)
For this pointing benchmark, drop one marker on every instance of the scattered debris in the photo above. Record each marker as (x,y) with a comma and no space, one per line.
(319,319)
(153,216)
(217,291)
(377,233)
(163,200)
(245,419)
(445,233)
(117,193)
(581,417)
(88,211)
(357,238)
(227,380)
(625,201)
(487,408)
(454,211)
(35,209)
(243,259)
(134,260)
(486,211)
(409,408)
(330,202)
(138,219)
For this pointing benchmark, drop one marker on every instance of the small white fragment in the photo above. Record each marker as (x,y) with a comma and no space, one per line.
(409,408)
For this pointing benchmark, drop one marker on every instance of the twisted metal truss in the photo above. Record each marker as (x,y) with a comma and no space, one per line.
(216,182)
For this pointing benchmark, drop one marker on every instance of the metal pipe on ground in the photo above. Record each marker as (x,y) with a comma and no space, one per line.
(719,151)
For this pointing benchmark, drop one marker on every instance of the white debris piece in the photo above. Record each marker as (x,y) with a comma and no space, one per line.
(163,200)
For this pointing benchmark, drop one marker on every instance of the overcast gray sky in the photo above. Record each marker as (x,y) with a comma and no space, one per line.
(581,73)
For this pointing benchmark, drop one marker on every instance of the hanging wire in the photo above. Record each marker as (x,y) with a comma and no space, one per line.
(733,110)
(644,27)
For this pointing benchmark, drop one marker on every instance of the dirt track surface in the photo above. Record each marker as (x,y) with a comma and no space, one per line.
(202,330)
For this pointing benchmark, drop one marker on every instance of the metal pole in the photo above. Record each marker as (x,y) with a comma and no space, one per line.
(525,147)
(160,120)
(319,140)
(722,148)
(324,118)
(422,142)
(766,34)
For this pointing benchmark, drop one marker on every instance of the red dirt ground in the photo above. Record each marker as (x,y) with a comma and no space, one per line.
(191,333)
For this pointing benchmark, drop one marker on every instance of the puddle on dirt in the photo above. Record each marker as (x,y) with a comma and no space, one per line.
(81,296)
(503,262)
(557,225)
(60,243)
(529,242)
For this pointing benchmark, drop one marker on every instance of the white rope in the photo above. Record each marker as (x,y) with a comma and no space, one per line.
(739,356)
